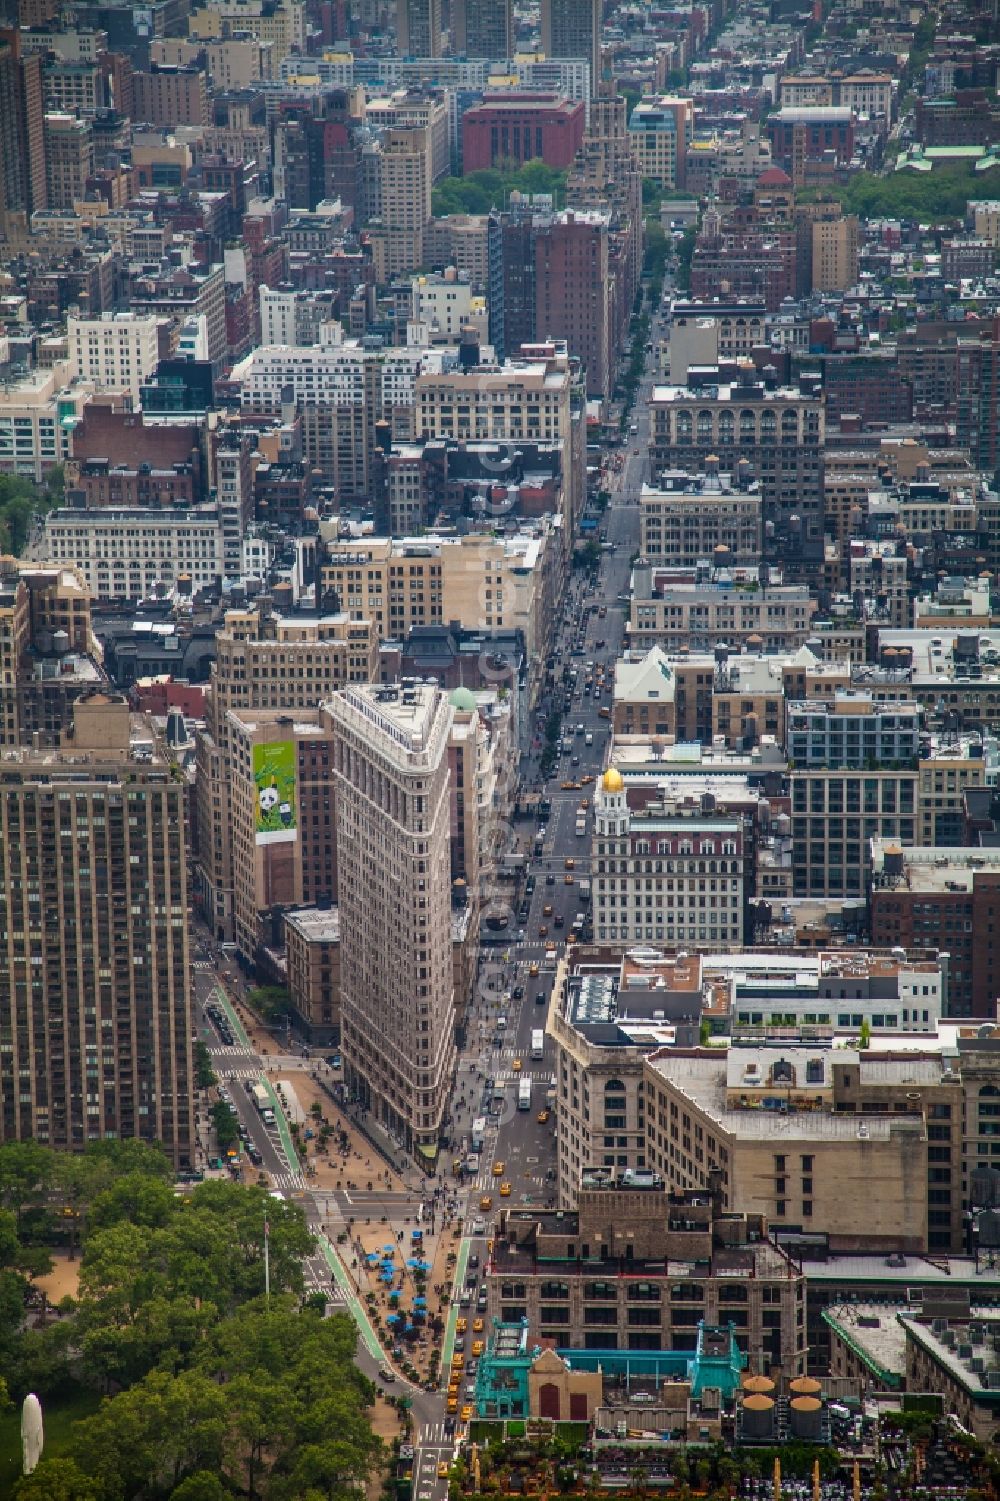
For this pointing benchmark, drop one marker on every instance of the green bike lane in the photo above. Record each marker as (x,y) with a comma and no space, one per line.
(238,1029)
(453,1311)
(287,1144)
(330,1254)
(368,1336)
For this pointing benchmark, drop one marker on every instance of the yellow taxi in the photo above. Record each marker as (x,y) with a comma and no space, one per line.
(569,863)
(461,1326)
(542,1117)
(533,968)
(604,712)
(443,1470)
(568,878)
(452,1406)
(466,1412)
(457,1361)
(516,1065)
(498,1168)
(477,1348)
(477,1326)
(547,910)
(485,1203)
(505,1190)
(569,786)
(586,781)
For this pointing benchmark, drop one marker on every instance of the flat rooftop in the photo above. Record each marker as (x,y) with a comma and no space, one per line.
(968,1351)
(316,924)
(874,1333)
(702,1080)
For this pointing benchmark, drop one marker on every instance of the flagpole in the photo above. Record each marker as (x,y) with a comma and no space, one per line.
(267,1259)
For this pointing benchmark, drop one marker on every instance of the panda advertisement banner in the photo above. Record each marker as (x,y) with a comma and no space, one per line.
(274,777)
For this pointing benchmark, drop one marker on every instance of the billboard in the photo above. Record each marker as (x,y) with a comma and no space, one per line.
(274,778)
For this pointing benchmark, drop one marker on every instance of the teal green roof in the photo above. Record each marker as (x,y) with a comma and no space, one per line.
(462,698)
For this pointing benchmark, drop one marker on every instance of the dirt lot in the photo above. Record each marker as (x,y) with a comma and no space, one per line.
(63,1279)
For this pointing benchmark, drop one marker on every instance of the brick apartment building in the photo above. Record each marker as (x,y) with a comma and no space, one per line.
(947,900)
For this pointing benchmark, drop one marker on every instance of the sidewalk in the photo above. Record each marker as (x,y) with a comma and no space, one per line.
(347,1160)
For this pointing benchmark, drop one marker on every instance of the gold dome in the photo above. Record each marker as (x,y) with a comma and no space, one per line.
(612,780)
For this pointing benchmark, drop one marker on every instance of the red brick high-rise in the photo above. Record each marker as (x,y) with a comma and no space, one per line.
(519,128)
(574,291)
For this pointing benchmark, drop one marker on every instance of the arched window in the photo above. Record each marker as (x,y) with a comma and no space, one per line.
(704,427)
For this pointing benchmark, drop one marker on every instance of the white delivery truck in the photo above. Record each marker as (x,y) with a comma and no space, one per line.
(537,1043)
(524,1094)
(262,1100)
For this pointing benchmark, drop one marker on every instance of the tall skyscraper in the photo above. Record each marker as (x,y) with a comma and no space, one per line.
(572,28)
(94,961)
(418,28)
(482,28)
(394,892)
(574,290)
(407,174)
(22,133)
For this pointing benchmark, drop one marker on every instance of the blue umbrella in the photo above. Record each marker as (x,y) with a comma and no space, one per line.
(394,1319)
(423,1266)
(386,1276)
(390,1247)
(420,1302)
(371,1257)
(416,1235)
(414,1262)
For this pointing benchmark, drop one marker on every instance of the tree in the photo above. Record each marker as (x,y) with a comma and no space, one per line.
(685,255)
(201,1486)
(204,1074)
(264,1419)
(271,1002)
(26,1170)
(136,1200)
(154,1435)
(225,1123)
(20,502)
(56,1480)
(478,192)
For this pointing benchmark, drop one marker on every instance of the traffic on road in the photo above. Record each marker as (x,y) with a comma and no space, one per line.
(504,1105)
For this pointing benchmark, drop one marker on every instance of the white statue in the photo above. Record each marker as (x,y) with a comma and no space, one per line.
(32,1437)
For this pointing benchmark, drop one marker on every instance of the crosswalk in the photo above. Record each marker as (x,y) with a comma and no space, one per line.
(433,1436)
(289,1180)
(240,1071)
(203,966)
(319,1280)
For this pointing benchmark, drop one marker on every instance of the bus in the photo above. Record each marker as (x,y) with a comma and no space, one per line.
(478,1133)
(537,1043)
(524,1094)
